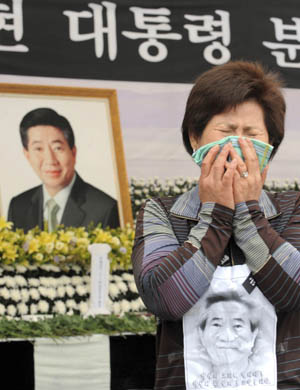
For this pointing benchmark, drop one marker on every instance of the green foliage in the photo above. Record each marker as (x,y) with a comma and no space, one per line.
(66,326)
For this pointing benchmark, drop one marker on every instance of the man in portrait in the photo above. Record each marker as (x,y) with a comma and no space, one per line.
(228,330)
(63,197)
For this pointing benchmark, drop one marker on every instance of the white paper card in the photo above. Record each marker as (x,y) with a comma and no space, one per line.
(99,279)
(230,335)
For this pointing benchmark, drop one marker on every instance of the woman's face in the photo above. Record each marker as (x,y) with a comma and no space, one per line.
(246,120)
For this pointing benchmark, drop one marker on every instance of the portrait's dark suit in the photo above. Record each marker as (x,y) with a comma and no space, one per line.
(86,204)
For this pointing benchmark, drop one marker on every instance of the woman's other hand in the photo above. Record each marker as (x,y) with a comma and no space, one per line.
(216,179)
(247,187)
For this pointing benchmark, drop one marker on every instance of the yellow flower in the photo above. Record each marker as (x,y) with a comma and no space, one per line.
(9,251)
(83,241)
(66,236)
(47,238)
(102,236)
(34,245)
(4,224)
(115,241)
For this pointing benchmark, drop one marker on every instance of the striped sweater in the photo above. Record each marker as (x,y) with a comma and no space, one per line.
(180,242)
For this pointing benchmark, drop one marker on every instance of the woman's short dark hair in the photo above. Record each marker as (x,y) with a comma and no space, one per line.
(46,117)
(226,86)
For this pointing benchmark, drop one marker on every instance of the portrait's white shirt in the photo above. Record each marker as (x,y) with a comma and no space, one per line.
(60,198)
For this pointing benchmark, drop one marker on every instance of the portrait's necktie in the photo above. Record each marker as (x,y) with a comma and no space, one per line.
(53,208)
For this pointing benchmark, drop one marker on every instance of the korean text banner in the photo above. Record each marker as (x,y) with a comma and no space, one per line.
(162,41)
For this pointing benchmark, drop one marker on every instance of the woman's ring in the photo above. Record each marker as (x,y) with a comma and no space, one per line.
(244,174)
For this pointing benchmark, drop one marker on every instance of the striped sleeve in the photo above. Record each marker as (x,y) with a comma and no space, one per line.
(171,277)
(273,258)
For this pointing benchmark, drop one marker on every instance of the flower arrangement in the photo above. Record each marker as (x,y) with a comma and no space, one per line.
(64,247)
(46,290)
(142,189)
(46,273)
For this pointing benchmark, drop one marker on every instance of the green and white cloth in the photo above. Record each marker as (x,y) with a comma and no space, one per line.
(263,150)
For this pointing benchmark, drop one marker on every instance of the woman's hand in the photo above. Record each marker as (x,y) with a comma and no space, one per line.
(216,179)
(247,188)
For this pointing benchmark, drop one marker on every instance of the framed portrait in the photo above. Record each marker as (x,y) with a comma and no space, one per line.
(94,118)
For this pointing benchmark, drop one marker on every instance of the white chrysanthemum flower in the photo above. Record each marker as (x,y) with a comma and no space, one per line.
(60,307)
(10,281)
(33,308)
(20,281)
(21,269)
(128,277)
(45,267)
(2,309)
(87,279)
(70,312)
(11,310)
(135,305)
(24,295)
(61,291)
(44,281)
(70,291)
(15,295)
(8,268)
(22,309)
(52,282)
(118,278)
(4,292)
(116,309)
(33,282)
(81,290)
(51,293)
(111,278)
(76,268)
(43,291)
(2,281)
(54,268)
(50,268)
(83,307)
(65,279)
(132,287)
(122,286)
(34,293)
(71,304)
(141,303)
(77,280)
(43,306)
(60,281)
(125,306)
(113,290)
